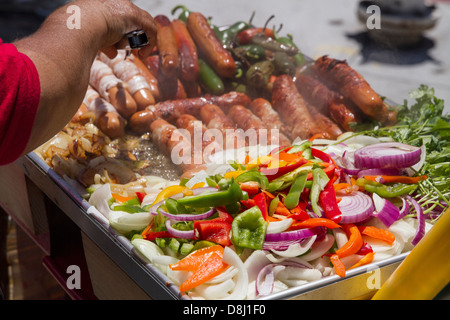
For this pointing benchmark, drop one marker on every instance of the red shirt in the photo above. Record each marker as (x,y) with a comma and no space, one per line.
(19,100)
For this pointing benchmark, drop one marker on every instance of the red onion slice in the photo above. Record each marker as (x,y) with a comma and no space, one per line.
(386,211)
(379,172)
(404,210)
(387,155)
(292,235)
(348,161)
(183,234)
(421,221)
(355,207)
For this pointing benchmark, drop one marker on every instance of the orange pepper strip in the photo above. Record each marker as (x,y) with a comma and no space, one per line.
(340,186)
(120,198)
(354,242)
(195,259)
(338,265)
(314,222)
(364,260)
(282,210)
(396,179)
(377,233)
(212,267)
(316,136)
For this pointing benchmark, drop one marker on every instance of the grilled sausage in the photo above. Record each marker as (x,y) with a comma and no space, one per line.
(264,110)
(291,106)
(323,121)
(253,125)
(127,71)
(112,89)
(187,51)
(167,47)
(196,129)
(327,101)
(210,47)
(338,74)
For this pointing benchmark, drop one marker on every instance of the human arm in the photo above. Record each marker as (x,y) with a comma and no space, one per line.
(63,56)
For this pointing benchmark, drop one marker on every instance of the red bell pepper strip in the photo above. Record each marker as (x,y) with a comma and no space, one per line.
(273,173)
(261,202)
(325,157)
(141,196)
(214,231)
(299,212)
(329,204)
(248,203)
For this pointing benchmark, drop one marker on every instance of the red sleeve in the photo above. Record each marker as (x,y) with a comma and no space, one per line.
(19,100)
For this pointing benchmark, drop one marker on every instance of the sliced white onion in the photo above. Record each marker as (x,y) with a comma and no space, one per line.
(240,289)
(147,249)
(266,279)
(296,249)
(319,248)
(279,226)
(385,210)
(387,155)
(215,291)
(355,207)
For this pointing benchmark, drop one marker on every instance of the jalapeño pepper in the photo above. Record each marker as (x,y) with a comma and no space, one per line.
(209,80)
(226,36)
(258,75)
(248,229)
(273,45)
(184,13)
(298,58)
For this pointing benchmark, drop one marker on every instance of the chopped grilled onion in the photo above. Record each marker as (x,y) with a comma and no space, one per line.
(355,207)
(385,210)
(183,234)
(387,155)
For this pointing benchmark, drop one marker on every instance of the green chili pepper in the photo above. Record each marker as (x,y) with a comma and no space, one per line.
(293,197)
(320,180)
(252,52)
(215,199)
(283,63)
(273,45)
(258,75)
(253,175)
(248,229)
(184,13)
(298,58)
(391,191)
(225,36)
(209,80)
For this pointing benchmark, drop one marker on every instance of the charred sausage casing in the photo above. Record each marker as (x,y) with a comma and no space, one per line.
(216,55)
(327,101)
(338,74)
(291,106)
(187,51)
(167,46)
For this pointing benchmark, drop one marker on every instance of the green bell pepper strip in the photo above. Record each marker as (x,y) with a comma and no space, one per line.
(174,207)
(216,199)
(287,179)
(248,229)
(253,175)
(319,182)
(391,191)
(300,147)
(297,187)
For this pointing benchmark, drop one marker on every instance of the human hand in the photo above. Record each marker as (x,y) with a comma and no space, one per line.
(121,17)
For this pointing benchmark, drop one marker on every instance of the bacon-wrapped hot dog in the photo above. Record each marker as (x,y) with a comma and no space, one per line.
(149,77)
(112,89)
(128,72)
(327,101)
(215,54)
(253,125)
(167,47)
(291,106)
(106,117)
(264,110)
(196,129)
(338,74)
(171,141)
